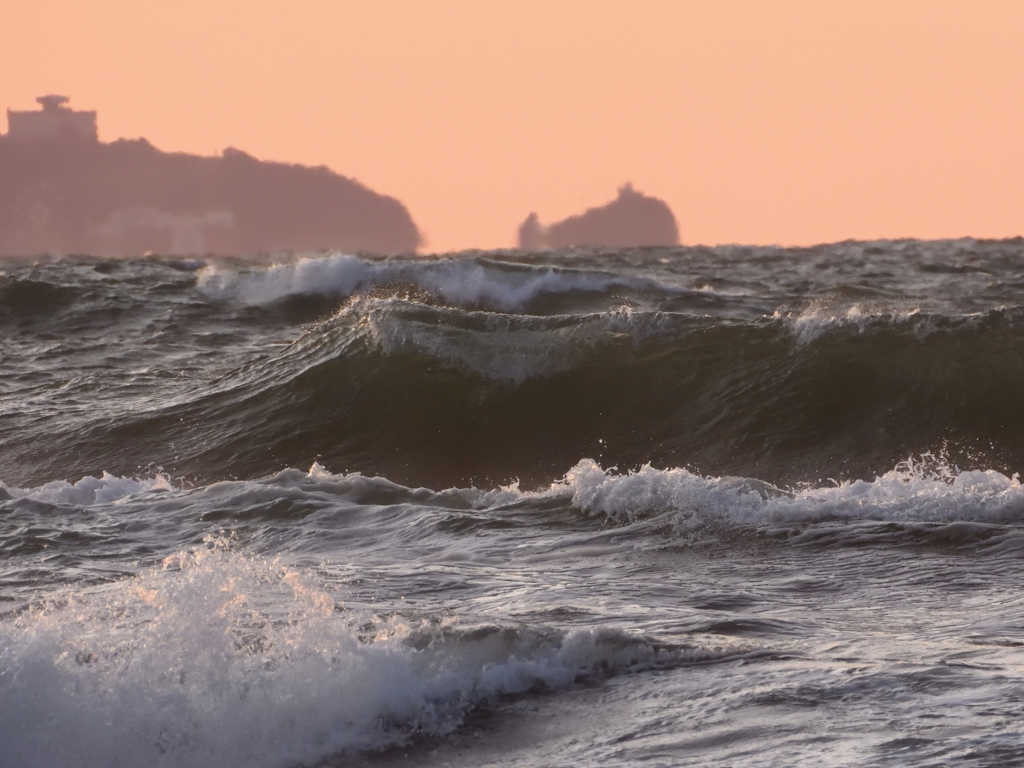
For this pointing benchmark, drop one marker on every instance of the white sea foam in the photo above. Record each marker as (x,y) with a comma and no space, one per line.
(499,347)
(820,318)
(462,282)
(216,659)
(927,489)
(914,491)
(90,490)
(506,352)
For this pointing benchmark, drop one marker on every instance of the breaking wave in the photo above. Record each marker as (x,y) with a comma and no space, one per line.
(925,490)
(459,282)
(217,659)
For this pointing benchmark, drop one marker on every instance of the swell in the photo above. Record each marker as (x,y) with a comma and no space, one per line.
(438,396)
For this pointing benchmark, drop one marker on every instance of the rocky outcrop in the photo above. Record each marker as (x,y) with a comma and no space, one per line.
(127,197)
(632,219)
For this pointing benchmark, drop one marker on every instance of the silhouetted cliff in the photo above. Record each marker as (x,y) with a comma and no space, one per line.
(74,195)
(631,219)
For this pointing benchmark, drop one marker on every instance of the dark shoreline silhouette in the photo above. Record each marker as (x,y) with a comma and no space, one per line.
(63,191)
(630,220)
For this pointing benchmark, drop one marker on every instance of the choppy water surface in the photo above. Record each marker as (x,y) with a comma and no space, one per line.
(731,506)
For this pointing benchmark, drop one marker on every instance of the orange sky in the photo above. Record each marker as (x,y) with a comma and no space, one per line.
(758,122)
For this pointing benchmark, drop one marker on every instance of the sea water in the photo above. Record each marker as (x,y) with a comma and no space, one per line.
(653,507)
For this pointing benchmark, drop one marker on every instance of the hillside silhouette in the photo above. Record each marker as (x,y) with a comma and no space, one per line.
(632,219)
(63,191)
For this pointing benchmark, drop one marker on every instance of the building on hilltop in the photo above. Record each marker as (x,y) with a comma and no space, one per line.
(62,190)
(53,121)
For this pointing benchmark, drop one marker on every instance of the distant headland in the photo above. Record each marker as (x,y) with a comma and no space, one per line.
(64,191)
(630,220)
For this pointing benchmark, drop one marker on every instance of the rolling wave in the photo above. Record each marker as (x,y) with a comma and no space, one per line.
(429,394)
(923,498)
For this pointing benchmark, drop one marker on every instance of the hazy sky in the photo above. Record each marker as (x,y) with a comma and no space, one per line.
(758,122)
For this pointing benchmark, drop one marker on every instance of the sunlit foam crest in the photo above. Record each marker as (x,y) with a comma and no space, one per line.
(823,317)
(216,658)
(462,282)
(925,489)
(819,318)
(500,347)
(914,491)
(91,490)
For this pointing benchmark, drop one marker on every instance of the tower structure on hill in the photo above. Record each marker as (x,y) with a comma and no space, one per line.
(62,190)
(53,121)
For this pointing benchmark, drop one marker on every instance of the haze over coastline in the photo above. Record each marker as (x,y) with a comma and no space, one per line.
(791,122)
(63,191)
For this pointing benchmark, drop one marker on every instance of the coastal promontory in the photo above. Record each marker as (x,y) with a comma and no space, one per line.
(64,191)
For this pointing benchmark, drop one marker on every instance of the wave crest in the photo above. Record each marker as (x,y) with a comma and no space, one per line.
(923,490)
(459,282)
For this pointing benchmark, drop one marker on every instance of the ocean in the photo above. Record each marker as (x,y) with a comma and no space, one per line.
(744,506)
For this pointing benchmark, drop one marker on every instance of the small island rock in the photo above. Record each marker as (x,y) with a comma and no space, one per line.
(632,219)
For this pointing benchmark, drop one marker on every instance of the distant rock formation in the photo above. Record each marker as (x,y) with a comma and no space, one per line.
(632,219)
(63,191)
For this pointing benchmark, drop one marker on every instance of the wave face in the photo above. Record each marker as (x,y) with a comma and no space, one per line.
(650,506)
(786,365)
